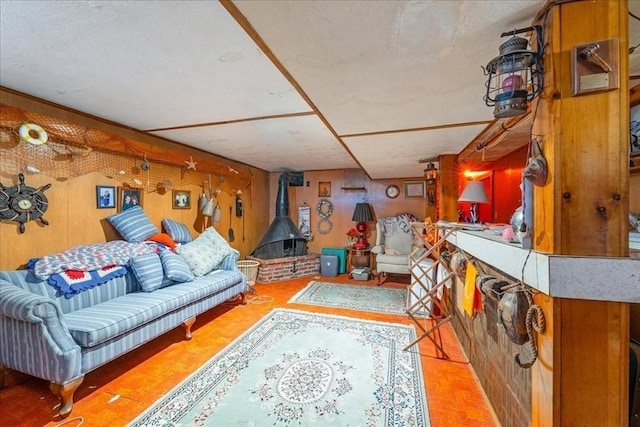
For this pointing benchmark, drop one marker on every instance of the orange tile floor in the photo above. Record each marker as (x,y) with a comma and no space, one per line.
(116,393)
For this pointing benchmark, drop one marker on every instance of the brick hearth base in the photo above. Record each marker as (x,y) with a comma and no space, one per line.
(272,270)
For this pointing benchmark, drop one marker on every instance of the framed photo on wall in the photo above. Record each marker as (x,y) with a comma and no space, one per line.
(324,189)
(181,199)
(415,189)
(129,197)
(105,197)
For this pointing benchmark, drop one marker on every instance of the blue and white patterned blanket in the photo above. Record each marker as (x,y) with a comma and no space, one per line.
(92,257)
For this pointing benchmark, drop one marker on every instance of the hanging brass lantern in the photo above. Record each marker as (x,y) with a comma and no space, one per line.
(514,76)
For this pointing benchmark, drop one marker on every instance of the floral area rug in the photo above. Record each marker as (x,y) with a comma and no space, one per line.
(364,298)
(303,369)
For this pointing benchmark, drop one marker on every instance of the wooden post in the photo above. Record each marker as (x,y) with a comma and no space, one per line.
(581,377)
(448,189)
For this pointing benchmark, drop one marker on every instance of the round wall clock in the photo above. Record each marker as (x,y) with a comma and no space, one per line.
(21,203)
(392,191)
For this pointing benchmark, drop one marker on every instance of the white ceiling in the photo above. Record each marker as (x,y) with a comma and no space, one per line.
(381,84)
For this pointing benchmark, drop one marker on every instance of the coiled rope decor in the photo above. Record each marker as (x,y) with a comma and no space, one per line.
(535,320)
(324,209)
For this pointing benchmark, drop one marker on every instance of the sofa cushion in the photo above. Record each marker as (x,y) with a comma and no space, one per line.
(177,230)
(205,253)
(175,268)
(94,325)
(148,271)
(133,224)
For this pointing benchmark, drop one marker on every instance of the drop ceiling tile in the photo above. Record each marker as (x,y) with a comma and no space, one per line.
(148,65)
(391,66)
(396,155)
(291,143)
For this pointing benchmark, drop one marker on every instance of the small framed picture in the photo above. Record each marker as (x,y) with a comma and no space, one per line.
(324,189)
(414,189)
(105,197)
(129,197)
(181,199)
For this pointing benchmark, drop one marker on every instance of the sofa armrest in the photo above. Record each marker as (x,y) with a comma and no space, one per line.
(22,305)
(34,338)
(230,262)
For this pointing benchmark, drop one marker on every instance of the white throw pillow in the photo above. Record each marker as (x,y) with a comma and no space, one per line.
(205,253)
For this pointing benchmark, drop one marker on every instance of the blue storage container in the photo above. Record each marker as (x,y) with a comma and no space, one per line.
(341,253)
(329,265)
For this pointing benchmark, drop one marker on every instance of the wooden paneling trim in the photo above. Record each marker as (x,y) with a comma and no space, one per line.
(419,129)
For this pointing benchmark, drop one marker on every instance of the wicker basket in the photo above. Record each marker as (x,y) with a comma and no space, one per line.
(250,269)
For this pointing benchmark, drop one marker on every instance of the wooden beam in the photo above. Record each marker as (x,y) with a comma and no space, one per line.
(114,136)
(581,377)
(448,189)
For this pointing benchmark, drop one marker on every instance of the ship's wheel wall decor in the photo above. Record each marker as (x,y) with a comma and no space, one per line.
(22,203)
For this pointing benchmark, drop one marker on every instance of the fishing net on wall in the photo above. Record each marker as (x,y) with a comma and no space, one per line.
(71,151)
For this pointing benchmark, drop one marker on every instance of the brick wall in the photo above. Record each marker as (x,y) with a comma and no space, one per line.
(272,270)
(508,387)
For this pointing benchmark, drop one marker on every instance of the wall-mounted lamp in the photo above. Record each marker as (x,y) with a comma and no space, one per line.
(514,76)
(431,173)
(474,193)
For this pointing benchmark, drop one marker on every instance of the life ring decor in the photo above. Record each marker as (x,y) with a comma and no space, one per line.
(324,208)
(33,134)
(22,203)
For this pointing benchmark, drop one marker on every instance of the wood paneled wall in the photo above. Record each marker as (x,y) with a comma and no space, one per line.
(73,215)
(581,377)
(74,218)
(344,202)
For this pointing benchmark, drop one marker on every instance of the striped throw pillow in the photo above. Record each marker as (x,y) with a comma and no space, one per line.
(133,224)
(175,268)
(148,271)
(177,230)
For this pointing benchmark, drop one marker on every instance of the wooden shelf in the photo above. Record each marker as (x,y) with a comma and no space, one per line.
(354,189)
(576,277)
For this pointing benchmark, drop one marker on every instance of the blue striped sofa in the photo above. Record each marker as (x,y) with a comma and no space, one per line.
(60,340)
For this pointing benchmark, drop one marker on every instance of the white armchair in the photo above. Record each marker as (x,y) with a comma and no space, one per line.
(394,244)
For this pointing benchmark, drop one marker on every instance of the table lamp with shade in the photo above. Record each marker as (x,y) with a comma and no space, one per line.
(474,193)
(362,215)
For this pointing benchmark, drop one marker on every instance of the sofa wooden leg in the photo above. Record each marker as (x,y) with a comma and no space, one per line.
(65,393)
(239,299)
(187,327)
(3,372)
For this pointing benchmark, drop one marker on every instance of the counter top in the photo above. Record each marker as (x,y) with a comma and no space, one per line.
(591,278)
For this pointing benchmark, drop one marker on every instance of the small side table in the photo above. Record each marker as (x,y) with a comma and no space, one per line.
(357,258)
